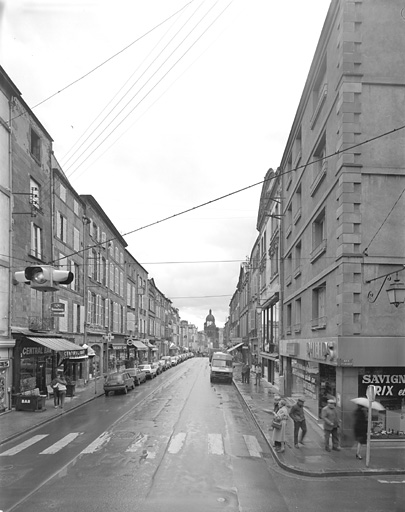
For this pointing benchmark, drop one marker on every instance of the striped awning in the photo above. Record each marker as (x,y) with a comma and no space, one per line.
(66,348)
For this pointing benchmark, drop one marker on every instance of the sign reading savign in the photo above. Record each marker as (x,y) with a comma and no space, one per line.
(386,384)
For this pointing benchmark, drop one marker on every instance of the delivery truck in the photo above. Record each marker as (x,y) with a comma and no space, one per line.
(221,367)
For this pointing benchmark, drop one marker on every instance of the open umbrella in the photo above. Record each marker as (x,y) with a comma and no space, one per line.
(362,400)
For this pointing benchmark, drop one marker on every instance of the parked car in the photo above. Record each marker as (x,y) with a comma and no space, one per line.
(149,370)
(138,375)
(119,381)
(157,367)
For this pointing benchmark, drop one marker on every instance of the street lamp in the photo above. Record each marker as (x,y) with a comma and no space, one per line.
(395,291)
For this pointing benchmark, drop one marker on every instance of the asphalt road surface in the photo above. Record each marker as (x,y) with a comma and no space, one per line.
(175,444)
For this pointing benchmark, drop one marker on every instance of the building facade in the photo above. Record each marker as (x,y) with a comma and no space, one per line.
(343,221)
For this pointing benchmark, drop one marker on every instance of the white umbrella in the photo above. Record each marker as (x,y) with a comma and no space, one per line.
(362,400)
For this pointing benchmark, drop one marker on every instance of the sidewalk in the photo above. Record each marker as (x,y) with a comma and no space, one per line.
(14,423)
(311,459)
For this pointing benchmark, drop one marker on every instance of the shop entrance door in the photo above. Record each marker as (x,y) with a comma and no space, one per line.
(41,376)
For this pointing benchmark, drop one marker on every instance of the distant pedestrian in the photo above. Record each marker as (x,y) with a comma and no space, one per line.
(62,388)
(276,403)
(279,434)
(360,427)
(244,372)
(247,373)
(258,374)
(331,425)
(298,417)
(54,386)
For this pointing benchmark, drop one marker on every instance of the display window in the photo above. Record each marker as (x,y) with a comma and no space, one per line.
(390,392)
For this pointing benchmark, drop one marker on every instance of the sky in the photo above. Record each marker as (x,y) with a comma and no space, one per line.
(169,113)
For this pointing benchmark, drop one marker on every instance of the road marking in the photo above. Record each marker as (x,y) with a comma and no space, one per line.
(140,440)
(177,442)
(253,446)
(98,443)
(215,444)
(60,444)
(22,446)
(391,481)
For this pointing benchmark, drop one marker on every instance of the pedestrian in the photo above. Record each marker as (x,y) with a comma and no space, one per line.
(331,425)
(360,427)
(258,374)
(247,373)
(62,388)
(54,386)
(298,417)
(276,406)
(244,370)
(279,433)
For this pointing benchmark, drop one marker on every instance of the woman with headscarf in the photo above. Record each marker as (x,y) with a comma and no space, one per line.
(279,434)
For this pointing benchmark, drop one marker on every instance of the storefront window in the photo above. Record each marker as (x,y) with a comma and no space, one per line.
(390,392)
(305,379)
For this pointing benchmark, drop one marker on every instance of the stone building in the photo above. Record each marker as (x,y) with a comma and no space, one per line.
(343,181)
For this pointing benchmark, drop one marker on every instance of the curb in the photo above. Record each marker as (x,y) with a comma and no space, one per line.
(47,420)
(322,473)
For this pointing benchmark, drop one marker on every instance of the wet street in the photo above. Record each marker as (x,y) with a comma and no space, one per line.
(177,443)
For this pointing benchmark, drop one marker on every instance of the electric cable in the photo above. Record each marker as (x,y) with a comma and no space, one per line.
(105,62)
(150,90)
(127,92)
(277,175)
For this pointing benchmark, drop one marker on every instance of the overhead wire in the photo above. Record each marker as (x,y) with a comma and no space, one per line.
(277,175)
(154,86)
(105,61)
(127,92)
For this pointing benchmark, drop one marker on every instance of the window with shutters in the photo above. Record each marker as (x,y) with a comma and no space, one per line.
(77,321)
(88,320)
(116,281)
(111,276)
(76,239)
(107,309)
(129,294)
(36,241)
(75,207)
(62,192)
(318,236)
(34,194)
(288,318)
(61,226)
(297,320)
(63,320)
(35,146)
(121,292)
(103,271)
(319,307)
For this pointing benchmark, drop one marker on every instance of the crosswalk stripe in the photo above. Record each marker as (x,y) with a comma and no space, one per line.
(215,444)
(101,440)
(22,446)
(177,442)
(253,446)
(60,444)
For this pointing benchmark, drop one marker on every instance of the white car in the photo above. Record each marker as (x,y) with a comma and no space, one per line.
(149,370)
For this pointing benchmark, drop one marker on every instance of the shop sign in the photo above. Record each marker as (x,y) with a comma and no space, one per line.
(73,353)
(39,350)
(321,350)
(387,384)
(4,363)
(58,309)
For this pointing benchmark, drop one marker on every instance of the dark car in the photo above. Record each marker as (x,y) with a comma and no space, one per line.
(119,381)
(138,375)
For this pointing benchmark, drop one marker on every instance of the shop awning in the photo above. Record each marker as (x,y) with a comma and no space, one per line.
(235,347)
(139,345)
(67,349)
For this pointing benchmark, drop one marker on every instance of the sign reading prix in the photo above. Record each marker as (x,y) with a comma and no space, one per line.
(57,309)
(390,382)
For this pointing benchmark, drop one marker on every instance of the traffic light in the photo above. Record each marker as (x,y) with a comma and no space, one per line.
(45,279)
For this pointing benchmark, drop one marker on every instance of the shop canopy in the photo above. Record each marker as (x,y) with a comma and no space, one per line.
(66,348)
(235,347)
(139,345)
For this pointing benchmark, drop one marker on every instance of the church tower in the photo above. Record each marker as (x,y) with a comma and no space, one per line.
(211,331)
